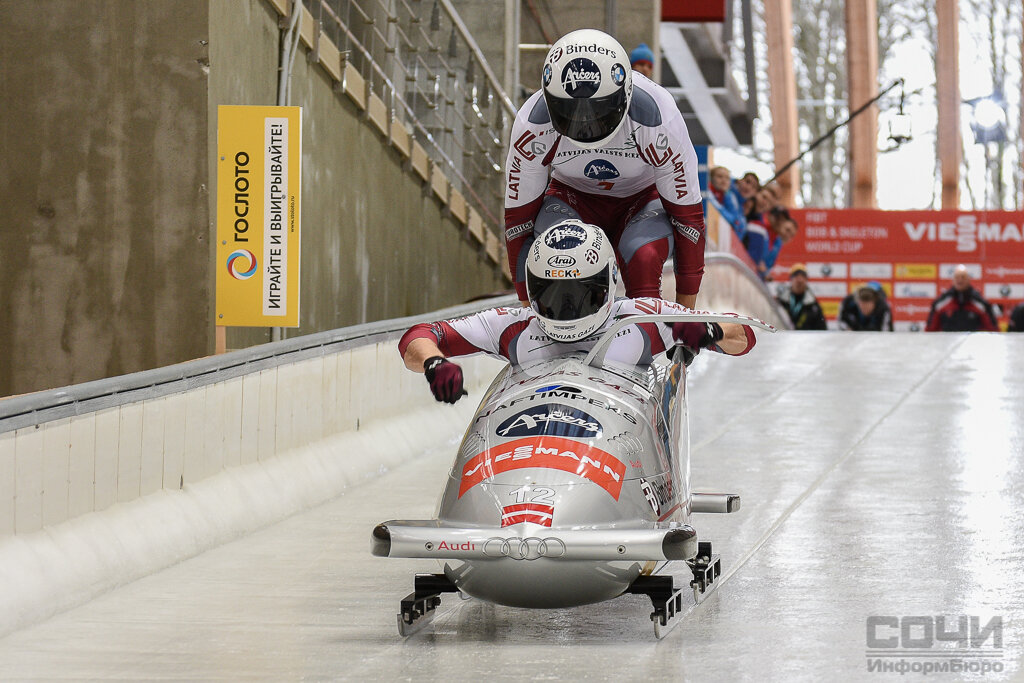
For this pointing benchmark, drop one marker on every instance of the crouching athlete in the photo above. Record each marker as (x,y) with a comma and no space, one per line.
(569,309)
(603,144)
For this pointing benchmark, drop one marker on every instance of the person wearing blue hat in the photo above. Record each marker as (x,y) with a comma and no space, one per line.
(642,59)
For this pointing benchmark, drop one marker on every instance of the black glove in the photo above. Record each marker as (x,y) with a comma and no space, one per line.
(445,379)
(697,336)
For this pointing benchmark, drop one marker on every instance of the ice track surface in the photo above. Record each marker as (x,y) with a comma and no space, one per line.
(881,474)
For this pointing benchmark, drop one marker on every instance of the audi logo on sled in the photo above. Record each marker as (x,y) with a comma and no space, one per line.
(532,548)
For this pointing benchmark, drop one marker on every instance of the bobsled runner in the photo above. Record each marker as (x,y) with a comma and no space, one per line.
(571,486)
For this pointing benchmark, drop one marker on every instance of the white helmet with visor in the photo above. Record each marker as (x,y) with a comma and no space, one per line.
(587,85)
(570,279)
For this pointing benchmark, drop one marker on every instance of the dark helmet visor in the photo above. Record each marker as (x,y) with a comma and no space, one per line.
(586,119)
(568,299)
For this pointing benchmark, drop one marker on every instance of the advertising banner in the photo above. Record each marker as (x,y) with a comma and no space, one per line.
(912,254)
(259,173)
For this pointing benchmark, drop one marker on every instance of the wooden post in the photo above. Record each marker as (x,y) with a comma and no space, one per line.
(778,15)
(220,339)
(862,68)
(947,83)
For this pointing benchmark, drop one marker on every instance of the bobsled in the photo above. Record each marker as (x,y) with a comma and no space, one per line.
(571,486)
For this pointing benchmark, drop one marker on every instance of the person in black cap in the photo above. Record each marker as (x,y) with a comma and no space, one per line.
(865,310)
(798,300)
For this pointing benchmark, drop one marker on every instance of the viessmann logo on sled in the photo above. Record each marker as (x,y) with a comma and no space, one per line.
(553,419)
(549,452)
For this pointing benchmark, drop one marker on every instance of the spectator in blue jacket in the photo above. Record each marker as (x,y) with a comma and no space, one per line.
(765,236)
(726,200)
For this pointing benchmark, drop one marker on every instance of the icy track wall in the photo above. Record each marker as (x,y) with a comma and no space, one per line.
(105,482)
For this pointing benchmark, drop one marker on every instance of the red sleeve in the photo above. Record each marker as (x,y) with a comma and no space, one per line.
(441,333)
(689,233)
(657,343)
(519,222)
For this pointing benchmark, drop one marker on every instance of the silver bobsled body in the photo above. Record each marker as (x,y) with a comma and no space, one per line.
(572,481)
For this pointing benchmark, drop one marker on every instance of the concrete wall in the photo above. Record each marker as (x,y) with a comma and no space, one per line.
(108,182)
(103,179)
(636,21)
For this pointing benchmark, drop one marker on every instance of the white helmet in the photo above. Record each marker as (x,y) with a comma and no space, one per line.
(570,279)
(587,86)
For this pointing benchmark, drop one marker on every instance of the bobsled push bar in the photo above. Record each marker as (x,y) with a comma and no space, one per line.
(429,539)
(596,356)
(714,502)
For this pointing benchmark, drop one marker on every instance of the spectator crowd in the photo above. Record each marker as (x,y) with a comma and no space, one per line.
(760,223)
(763,225)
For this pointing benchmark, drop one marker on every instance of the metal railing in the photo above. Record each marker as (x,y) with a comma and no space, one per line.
(420,59)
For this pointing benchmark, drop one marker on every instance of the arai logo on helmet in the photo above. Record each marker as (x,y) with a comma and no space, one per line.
(565,237)
(601,170)
(561,261)
(581,78)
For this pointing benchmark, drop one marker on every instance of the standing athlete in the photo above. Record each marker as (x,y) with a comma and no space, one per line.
(602,143)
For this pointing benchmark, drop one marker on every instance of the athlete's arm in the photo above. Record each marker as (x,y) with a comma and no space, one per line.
(737,339)
(418,351)
(668,149)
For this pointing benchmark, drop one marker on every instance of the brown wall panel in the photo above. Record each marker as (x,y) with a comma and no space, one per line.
(103,266)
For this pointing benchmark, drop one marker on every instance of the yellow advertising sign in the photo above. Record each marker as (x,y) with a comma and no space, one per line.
(916,271)
(830,308)
(886,287)
(259,174)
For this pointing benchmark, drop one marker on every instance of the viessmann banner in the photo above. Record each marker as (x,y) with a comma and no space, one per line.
(259,172)
(911,253)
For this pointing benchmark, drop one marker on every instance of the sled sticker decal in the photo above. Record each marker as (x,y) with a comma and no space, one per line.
(548,452)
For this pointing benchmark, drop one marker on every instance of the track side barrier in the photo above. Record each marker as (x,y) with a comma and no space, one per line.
(83,448)
(105,482)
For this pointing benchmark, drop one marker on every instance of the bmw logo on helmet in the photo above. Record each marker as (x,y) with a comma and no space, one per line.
(581,78)
(547,74)
(618,74)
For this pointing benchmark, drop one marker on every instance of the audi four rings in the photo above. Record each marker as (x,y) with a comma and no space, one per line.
(532,548)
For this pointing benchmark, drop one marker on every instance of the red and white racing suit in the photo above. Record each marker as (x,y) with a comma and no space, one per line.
(516,335)
(640,187)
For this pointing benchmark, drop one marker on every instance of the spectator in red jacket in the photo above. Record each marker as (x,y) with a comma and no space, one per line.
(961,308)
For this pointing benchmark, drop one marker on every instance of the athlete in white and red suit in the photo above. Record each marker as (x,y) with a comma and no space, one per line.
(640,187)
(515,334)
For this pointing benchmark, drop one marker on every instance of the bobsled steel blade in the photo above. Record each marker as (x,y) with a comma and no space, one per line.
(406,629)
(596,356)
